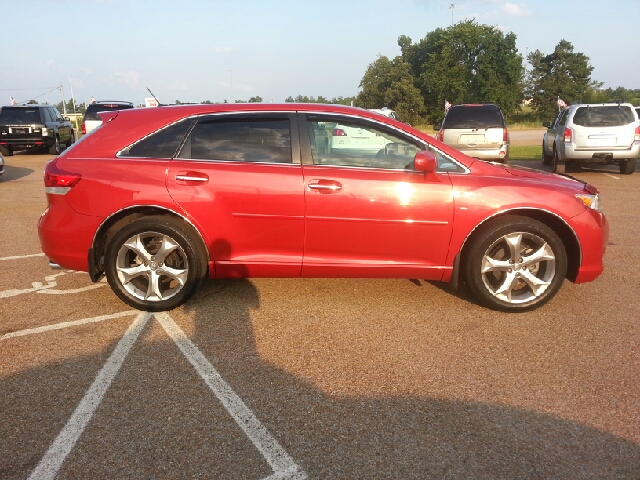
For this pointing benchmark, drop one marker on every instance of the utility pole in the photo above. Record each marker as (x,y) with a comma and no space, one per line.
(452,7)
(64,104)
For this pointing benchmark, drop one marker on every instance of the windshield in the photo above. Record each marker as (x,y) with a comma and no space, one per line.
(20,115)
(605,116)
(473,117)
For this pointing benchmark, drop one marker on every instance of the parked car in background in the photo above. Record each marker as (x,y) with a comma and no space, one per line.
(386,112)
(479,130)
(606,134)
(241,190)
(91,118)
(27,126)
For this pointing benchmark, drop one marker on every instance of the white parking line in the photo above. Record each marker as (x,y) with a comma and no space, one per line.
(67,438)
(39,287)
(19,257)
(612,176)
(284,468)
(58,326)
(281,463)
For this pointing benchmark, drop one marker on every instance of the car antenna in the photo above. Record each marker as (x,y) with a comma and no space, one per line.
(154,97)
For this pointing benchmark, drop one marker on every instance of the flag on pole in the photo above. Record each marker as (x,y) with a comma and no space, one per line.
(93,100)
(447,105)
(13,102)
(561,103)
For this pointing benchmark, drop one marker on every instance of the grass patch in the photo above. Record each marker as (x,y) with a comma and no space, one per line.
(525,152)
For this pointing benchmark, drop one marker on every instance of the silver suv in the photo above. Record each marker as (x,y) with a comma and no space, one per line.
(479,130)
(606,133)
(91,118)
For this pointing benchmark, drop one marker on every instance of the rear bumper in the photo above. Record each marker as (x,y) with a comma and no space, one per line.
(570,152)
(20,143)
(492,154)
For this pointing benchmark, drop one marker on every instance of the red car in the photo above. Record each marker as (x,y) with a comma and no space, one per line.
(157,199)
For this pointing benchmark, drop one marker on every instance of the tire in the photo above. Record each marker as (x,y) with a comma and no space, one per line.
(72,139)
(546,159)
(5,151)
(557,166)
(628,166)
(55,149)
(515,264)
(144,277)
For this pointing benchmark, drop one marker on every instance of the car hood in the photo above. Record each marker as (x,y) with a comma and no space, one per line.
(540,176)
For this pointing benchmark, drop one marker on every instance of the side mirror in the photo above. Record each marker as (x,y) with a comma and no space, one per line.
(546,124)
(425,161)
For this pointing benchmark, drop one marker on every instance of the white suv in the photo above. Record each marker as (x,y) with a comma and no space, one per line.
(606,133)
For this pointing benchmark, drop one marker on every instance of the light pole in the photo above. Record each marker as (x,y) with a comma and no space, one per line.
(73,102)
(451,7)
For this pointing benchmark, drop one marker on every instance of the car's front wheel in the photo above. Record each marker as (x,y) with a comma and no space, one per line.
(557,166)
(154,264)
(72,139)
(546,158)
(514,264)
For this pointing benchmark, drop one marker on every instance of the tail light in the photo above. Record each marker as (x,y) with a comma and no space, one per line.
(57,181)
(84,128)
(637,135)
(440,135)
(568,135)
(505,135)
(338,132)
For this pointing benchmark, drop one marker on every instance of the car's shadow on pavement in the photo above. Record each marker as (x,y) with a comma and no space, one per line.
(14,173)
(158,417)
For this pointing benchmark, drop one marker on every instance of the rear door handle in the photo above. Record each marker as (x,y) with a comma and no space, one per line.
(325,186)
(191,178)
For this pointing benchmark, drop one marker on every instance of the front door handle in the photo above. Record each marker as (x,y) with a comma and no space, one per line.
(325,186)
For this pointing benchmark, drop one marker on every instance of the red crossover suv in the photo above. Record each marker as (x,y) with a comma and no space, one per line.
(157,199)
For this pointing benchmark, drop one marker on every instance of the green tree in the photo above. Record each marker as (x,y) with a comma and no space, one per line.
(465,63)
(563,73)
(389,83)
(256,99)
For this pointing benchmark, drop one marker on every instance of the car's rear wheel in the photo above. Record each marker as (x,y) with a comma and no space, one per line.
(557,166)
(627,167)
(515,264)
(55,149)
(154,264)
(546,159)
(5,151)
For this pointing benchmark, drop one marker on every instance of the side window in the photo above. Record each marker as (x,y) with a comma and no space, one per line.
(162,144)
(562,119)
(55,113)
(46,115)
(240,139)
(350,143)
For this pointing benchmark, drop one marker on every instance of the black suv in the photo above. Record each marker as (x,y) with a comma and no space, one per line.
(26,126)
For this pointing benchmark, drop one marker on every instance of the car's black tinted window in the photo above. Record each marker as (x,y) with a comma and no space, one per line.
(93,109)
(241,139)
(605,116)
(161,144)
(473,117)
(20,115)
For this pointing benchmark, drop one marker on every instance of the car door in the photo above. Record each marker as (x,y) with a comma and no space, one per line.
(64,131)
(239,178)
(370,214)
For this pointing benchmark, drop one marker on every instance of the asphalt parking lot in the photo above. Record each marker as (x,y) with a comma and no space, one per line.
(290,379)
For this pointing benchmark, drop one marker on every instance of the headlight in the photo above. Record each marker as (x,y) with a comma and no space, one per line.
(591,201)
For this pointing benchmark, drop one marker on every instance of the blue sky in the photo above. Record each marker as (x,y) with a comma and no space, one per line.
(195,50)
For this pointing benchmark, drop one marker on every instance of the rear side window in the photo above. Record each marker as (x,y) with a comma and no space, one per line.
(93,109)
(161,144)
(20,115)
(605,116)
(473,117)
(241,139)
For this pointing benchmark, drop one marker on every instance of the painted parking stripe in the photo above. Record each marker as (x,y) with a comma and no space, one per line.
(59,326)
(282,464)
(19,257)
(612,176)
(67,438)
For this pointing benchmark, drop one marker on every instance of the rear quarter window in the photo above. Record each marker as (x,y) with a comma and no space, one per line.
(606,116)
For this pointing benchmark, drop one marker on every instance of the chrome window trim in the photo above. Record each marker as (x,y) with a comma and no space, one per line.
(400,131)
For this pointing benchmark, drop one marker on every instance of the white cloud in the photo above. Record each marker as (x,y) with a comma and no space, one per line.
(131,79)
(516,10)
